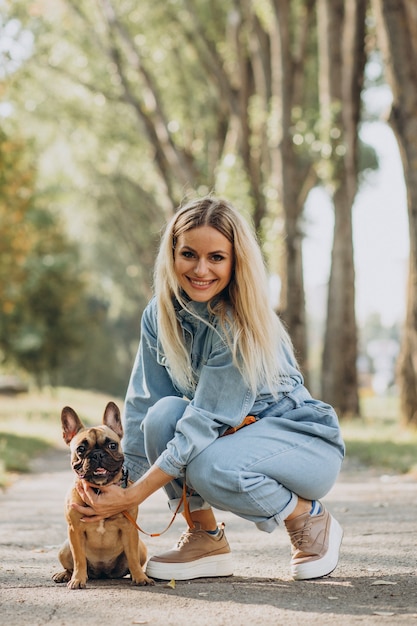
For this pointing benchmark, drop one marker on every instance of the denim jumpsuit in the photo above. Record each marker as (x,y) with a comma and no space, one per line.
(294,448)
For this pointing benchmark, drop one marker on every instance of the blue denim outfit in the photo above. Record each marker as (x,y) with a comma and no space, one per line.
(293,449)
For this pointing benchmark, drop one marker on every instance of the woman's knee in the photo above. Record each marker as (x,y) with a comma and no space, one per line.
(159,424)
(169,408)
(212,478)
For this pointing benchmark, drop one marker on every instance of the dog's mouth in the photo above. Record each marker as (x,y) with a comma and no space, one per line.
(101,471)
(100,476)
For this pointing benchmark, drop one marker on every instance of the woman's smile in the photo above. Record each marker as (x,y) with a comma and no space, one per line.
(200,283)
(203,262)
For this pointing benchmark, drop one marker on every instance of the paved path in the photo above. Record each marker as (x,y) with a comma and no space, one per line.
(375,583)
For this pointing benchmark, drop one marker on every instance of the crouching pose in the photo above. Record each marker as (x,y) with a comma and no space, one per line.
(213,356)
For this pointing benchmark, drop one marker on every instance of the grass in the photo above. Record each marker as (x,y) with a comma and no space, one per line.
(17,451)
(30,425)
(378,439)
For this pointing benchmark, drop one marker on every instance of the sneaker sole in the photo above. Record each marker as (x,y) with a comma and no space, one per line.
(325,565)
(206,567)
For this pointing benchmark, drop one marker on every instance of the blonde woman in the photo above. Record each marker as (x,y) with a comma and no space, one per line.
(212,352)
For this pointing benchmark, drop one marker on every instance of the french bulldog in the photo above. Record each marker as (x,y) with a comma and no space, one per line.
(110,548)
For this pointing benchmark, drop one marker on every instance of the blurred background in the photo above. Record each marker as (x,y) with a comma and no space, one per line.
(301,112)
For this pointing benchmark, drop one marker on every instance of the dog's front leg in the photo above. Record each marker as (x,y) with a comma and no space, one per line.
(76,538)
(131,547)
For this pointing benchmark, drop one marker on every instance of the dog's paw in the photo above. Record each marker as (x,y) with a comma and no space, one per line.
(77,583)
(140,581)
(62,577)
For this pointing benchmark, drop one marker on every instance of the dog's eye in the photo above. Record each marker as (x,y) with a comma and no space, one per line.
(112,445)
(81,449)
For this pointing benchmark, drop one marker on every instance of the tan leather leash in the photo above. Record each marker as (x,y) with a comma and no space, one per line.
(249,419)
(187,516)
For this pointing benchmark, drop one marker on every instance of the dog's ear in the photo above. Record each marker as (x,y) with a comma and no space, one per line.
(71,424)
(111,418)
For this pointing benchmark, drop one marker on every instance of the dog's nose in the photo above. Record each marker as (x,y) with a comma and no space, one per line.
(97,455)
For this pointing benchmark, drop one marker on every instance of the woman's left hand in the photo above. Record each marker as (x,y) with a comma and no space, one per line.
(111,500)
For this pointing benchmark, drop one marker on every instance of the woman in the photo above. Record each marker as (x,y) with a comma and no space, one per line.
(212,352)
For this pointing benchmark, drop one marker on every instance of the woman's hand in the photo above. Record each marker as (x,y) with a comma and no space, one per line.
(111,500)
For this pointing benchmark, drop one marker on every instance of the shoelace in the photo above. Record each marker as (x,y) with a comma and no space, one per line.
(191,534)
(300,536)
(187,536)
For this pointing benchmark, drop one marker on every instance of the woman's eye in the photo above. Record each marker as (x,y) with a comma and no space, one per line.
(217,257)
(187,254)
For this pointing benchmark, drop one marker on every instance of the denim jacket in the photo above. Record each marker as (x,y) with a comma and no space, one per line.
(221,398)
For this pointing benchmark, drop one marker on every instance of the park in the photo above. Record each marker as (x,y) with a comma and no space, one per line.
(302,113)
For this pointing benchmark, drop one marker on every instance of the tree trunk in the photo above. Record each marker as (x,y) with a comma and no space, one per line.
(339,376)
(289,85)
(398,40)
(342,51)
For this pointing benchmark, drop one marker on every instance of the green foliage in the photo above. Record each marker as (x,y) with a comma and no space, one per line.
(40,280)
(107,349)
(30,423)
(378,440)
(46,322)
(135,107)
(388,455)
(49,325)
(97,96)
(17,451)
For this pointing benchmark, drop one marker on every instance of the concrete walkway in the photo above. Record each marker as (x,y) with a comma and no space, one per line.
(375,583)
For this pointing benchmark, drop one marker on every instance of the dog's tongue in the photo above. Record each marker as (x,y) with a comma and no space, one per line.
(100,471)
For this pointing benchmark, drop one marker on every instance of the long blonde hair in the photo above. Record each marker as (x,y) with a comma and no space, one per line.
(254,332)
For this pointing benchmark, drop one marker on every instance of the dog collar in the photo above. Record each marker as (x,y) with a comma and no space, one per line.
(124,481)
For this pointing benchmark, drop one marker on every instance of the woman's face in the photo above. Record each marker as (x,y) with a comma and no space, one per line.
(203,262)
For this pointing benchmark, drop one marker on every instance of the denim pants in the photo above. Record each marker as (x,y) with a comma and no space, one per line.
(294,449)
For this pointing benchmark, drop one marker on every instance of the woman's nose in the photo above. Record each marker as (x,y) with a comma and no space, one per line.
(201,267)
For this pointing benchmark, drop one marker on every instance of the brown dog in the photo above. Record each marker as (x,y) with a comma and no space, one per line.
(110,548)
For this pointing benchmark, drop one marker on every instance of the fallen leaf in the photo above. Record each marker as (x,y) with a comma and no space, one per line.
(171,584)
(383,613)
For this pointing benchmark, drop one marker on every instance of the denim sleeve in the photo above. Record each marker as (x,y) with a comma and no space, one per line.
(149,382)
(222,399)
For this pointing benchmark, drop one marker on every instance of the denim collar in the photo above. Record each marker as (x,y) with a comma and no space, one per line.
(194,309)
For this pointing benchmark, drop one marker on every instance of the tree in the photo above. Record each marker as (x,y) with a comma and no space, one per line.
(214,111)
(40,283)
(342,57)
(397,21)
(180,97)
(16,192)
(294,95)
